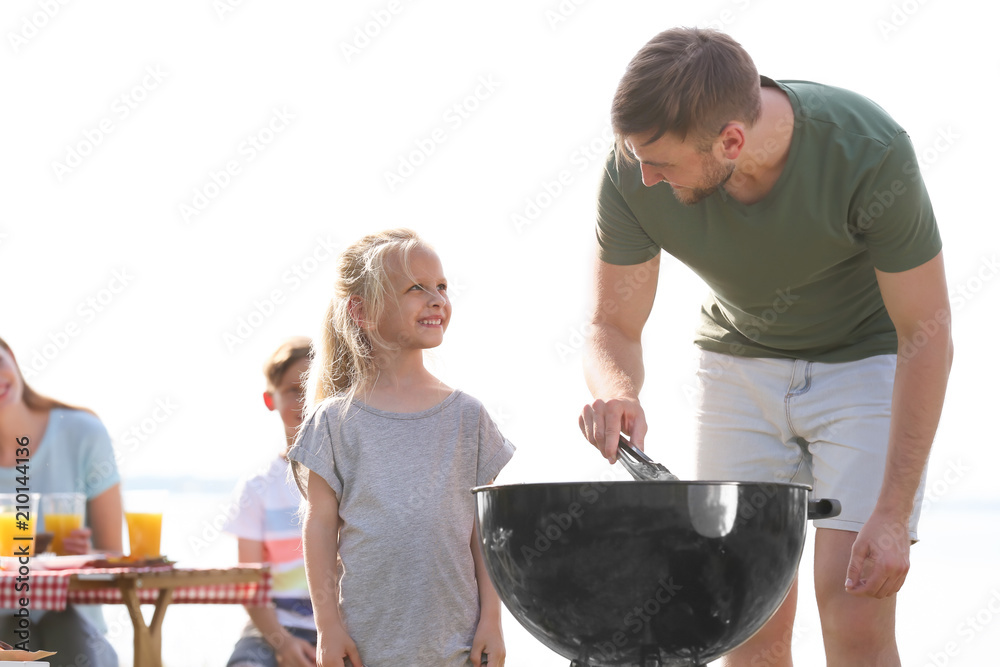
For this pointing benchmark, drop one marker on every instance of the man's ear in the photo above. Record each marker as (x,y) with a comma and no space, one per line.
(356,309)
(269,400)
(734,140)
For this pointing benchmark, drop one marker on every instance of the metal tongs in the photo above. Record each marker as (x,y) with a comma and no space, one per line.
(640,466)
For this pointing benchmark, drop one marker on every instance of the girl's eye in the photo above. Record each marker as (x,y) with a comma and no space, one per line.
(416,287)
(443,287)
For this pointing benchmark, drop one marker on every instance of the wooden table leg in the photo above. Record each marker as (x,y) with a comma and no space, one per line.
(147,641)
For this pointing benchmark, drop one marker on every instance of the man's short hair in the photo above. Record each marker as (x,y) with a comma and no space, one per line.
(287,354)
(685,81)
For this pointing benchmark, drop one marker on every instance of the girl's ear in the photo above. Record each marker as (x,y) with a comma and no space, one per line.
(356,309)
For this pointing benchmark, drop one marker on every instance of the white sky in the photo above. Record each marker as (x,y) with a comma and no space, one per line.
(120,298)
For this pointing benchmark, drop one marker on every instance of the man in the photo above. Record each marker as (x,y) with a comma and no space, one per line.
(825,342)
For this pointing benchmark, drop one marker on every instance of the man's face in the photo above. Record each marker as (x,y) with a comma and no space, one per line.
(691,173)
(287,397)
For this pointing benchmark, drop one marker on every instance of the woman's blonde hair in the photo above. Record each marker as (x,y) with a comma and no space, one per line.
(344,354)
(32,399)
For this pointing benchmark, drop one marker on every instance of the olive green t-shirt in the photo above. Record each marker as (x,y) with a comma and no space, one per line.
(793,274)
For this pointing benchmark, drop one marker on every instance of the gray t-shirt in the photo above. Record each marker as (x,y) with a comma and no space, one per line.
(408,583)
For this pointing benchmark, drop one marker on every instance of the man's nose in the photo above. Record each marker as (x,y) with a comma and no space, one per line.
(650,176)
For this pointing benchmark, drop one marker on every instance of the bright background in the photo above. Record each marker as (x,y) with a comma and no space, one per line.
(139,278)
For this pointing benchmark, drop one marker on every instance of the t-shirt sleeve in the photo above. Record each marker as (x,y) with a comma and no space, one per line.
(100,471)
(248,521)
(495,451)
(313,450)
(894,215)
(621,239)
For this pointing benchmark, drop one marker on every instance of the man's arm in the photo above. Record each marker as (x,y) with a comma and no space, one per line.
(917,301)
(612,359)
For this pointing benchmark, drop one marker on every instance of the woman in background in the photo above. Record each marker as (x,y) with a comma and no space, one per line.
(69,451)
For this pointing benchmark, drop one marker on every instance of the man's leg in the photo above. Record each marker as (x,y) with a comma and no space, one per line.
(741,434)
(772,645)
(858,631)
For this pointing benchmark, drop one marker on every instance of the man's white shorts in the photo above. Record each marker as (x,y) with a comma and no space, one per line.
(783,420)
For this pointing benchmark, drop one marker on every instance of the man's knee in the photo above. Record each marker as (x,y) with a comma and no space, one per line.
(850,620)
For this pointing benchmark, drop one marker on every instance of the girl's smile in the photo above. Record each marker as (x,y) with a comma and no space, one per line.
(417,311)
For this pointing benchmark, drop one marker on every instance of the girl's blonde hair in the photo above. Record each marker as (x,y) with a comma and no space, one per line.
(344,354)
(32,399)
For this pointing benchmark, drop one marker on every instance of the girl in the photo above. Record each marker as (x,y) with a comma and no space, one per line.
(69,451)
(385,462)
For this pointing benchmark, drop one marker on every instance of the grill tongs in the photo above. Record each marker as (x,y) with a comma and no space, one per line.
(640,466)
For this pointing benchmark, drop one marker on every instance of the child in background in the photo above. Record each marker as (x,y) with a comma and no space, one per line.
(268,531)
(69,451)
(385,460)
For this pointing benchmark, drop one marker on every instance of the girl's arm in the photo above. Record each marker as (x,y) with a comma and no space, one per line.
(489,635)
(320,541)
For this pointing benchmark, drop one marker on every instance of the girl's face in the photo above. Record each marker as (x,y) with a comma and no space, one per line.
(10,379)
(417,310)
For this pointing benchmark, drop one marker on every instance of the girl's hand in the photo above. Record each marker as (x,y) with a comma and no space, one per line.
(488,642)
(334,645)
(77,542)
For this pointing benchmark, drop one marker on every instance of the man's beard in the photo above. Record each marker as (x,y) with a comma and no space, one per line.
(713,172)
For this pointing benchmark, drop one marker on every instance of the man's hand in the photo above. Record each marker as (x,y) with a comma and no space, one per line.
(880,558)
(602,421)
(295,652)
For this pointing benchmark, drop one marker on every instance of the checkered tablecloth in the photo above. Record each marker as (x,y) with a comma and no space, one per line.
(50,589)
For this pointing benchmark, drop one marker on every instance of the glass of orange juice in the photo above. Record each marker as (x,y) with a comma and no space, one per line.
(62,513)
(18,519)
(144,517)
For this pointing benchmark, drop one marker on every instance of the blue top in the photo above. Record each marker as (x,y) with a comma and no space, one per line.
(75,455)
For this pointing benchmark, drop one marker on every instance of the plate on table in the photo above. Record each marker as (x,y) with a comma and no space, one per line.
(128,561)
(48,561)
